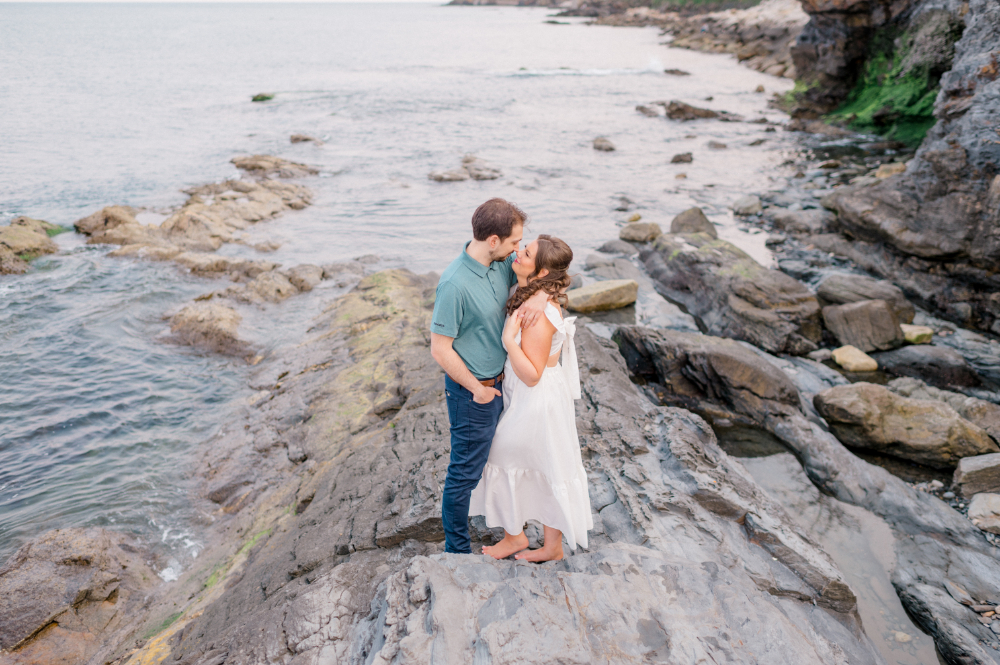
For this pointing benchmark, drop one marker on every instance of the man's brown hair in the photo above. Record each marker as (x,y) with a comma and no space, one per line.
(498,218)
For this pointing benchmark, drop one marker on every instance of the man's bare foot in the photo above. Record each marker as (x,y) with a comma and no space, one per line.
(509,545)
(542,554)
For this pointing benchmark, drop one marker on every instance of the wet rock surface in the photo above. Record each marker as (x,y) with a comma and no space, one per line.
(27,238)
(935,545)
(937,365)
(210,326)
(731,295)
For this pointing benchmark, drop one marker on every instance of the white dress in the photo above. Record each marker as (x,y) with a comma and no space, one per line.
(535,470)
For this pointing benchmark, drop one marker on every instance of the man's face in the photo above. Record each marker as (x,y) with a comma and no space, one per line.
(505,247)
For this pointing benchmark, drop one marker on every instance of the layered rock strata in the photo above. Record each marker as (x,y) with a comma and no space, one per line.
(66,591)
(731,295)
(936,547)
(328,498)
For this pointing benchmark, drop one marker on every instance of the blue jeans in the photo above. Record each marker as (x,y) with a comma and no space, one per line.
(472,429)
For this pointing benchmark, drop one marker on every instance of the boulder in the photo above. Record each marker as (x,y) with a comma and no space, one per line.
(693,220)
(618,247)
(869,325)
(647,111)
(714,377)
(209,326)
(28,238)
(151,252)
(977,411)
(978,474)
(453,175)
(268,165)
(868,416)
(939,366)
(603,144)
(271,286)
(305,277)
(676,72)
(640,232)
(747,205)
(602,296)
(984,511)
(479,169)
(682,158)
(731,295)
(854,359)
(117,225)
(201,263)
(304,138)
(677,110)
(63,591)
(889,170)
(843,288)
(717,145)
(917,334)
(803,221)
(11,263)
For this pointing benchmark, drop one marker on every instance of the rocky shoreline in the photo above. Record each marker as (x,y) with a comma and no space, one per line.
(327,541)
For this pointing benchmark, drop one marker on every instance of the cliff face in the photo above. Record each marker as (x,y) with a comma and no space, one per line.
(936,228)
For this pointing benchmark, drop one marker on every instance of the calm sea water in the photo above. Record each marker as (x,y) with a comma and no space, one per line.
(100,422)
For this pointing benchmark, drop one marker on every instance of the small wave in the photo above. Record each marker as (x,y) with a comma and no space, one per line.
(653,68)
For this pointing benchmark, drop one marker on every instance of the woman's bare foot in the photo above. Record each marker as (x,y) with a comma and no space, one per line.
(550,551)
(509,545)
(542,554)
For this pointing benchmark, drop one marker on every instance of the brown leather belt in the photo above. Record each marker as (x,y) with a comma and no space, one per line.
(489,383)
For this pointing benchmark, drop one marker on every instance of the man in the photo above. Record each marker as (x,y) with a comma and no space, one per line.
(466,328)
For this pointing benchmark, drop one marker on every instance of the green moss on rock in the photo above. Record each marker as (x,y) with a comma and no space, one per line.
(895,93)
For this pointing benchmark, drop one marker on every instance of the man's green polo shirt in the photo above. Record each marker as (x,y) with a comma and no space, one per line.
(470,307)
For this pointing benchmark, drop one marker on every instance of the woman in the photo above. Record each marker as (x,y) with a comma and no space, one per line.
(534,469)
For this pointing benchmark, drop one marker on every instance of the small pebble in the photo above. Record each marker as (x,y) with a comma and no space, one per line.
(948,495)
(902,637)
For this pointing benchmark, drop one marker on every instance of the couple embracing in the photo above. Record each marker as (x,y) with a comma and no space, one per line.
(511,377)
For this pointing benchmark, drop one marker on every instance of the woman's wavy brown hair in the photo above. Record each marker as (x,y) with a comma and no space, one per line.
(555,256)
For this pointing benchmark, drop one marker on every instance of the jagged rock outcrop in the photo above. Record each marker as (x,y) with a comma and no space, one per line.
(264,166)
(66,589)
(28,238)
(932,230)
(731,295)
(210,326)
(333,484)
(935,546)
(210,217)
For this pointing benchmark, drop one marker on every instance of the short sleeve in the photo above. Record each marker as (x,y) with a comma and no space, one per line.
(508,267)
(448,310)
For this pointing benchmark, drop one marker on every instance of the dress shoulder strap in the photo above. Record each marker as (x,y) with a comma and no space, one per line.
(553,315)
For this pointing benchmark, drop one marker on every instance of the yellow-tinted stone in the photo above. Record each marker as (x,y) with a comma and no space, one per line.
(917,334)
(854,359)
